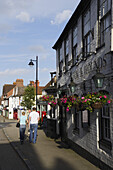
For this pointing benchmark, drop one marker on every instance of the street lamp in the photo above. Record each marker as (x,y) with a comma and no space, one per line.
(32,64)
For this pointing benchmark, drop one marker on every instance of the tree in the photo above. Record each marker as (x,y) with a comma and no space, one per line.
(29,97)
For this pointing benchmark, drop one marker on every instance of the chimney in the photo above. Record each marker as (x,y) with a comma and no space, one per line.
(37,83)
(32,83)
(19,82)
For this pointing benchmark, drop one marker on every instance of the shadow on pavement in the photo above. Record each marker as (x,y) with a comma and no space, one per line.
(46,154)
(34,156)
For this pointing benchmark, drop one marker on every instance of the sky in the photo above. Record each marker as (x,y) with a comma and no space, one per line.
(30,28)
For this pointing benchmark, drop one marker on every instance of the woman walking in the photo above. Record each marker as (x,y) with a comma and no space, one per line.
(23,121)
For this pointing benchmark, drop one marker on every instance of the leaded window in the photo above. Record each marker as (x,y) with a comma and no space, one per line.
(105,6)
(86,32)
(66,53)
(60,61)
(86,21)
(104,129)
(74,42)
(105,123)
(105,18)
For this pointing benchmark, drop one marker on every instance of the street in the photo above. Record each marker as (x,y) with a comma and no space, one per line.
(46,154)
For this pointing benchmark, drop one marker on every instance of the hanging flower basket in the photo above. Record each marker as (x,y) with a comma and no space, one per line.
(97,105)
(59,103)
(80,107)
(52,105)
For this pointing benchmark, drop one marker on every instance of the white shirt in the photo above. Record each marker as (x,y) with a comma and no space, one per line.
(34,117)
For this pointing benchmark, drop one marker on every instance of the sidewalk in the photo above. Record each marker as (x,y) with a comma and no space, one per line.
(46,154)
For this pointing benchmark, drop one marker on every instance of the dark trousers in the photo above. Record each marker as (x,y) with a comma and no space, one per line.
(22,132)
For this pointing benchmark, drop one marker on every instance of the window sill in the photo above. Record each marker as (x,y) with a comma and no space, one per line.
(105,145)
(101,46)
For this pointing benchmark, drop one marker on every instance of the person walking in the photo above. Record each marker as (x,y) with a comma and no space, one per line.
(23,120)
(33,122)
(29,111)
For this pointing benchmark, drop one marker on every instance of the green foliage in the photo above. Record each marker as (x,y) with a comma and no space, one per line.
(29,97)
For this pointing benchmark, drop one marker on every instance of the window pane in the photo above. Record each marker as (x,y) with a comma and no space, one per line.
(88,39)
(88,48)
(74,36)
(101,9)
(74,31)
(109,5)
(74,55)
(66,62)
(108,133)
(105,7)
(105,133)
(108,22)
(106,111)
(101,1)
(105,26)
(87,42)
(60,54)
(74,41)
(67,46)
(105,123)
(86,22)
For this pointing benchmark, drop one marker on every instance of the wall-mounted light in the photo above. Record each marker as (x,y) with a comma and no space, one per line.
(59,90)
(72,86)
(98,79)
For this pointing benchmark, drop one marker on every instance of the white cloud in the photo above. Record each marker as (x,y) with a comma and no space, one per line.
(61,17)
(10,72)
(37,48)
(40,50)
(45,69)
(37,8)
(25,17)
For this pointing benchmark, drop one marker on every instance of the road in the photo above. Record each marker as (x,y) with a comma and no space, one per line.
(9,159)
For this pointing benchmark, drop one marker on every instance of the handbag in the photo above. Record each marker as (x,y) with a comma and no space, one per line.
(18,124)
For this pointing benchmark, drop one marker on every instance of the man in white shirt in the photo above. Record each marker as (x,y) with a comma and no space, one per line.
(33,122)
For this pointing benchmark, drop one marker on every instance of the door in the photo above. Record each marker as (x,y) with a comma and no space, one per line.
(63,123)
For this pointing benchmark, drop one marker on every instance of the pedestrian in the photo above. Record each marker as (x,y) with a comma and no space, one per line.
(29,111)
(23,120)
(33,122)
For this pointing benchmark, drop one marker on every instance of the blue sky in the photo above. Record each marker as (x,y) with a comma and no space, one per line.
(27,29)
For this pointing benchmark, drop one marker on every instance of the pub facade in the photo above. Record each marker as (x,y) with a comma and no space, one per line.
(83,50)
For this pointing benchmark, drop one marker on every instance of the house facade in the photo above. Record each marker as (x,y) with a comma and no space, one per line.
(84,46)
(15,101)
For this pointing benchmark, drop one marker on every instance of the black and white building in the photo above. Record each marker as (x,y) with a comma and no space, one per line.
(86,44)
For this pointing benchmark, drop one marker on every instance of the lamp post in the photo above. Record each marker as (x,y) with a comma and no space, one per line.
(32,64)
